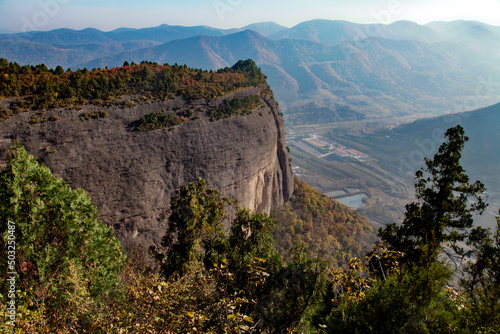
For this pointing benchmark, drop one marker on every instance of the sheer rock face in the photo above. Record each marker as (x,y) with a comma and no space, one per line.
(131,175)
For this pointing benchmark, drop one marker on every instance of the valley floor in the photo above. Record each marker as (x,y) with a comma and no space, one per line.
(369,182)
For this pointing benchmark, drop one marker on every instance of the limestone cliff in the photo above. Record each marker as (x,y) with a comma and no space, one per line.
(131,175)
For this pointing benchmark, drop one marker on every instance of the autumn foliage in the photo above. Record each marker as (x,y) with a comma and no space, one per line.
(324,225)
(37,87)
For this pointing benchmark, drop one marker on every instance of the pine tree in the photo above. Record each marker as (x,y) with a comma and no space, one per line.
(443,213)
(59,70)
(67,260)
(481,283)
(195,233)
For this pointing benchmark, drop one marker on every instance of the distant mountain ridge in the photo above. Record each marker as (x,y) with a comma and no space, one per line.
(330,32)
(158,35)
(327,32)
(402,69)
(381,78)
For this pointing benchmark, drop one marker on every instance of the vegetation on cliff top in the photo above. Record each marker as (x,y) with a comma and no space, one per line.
(37,87)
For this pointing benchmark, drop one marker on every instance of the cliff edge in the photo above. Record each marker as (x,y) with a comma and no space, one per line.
(131,175)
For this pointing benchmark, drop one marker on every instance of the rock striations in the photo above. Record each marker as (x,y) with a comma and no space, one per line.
(131,175)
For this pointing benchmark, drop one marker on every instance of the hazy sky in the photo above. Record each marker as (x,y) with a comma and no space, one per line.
(23,15)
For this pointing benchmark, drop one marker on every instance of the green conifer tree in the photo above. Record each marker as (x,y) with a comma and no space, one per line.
(65,258)
(444,211)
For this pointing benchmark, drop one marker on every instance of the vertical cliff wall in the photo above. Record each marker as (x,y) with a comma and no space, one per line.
(131,175)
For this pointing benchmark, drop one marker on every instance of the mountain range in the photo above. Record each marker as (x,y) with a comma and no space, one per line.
(350,71)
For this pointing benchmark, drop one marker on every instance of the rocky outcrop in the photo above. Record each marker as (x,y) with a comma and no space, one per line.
(131,175)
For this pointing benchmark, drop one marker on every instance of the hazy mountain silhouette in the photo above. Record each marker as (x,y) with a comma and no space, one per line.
(334,32)
(464,30)
(354,70)
(70,48)
(265,28)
